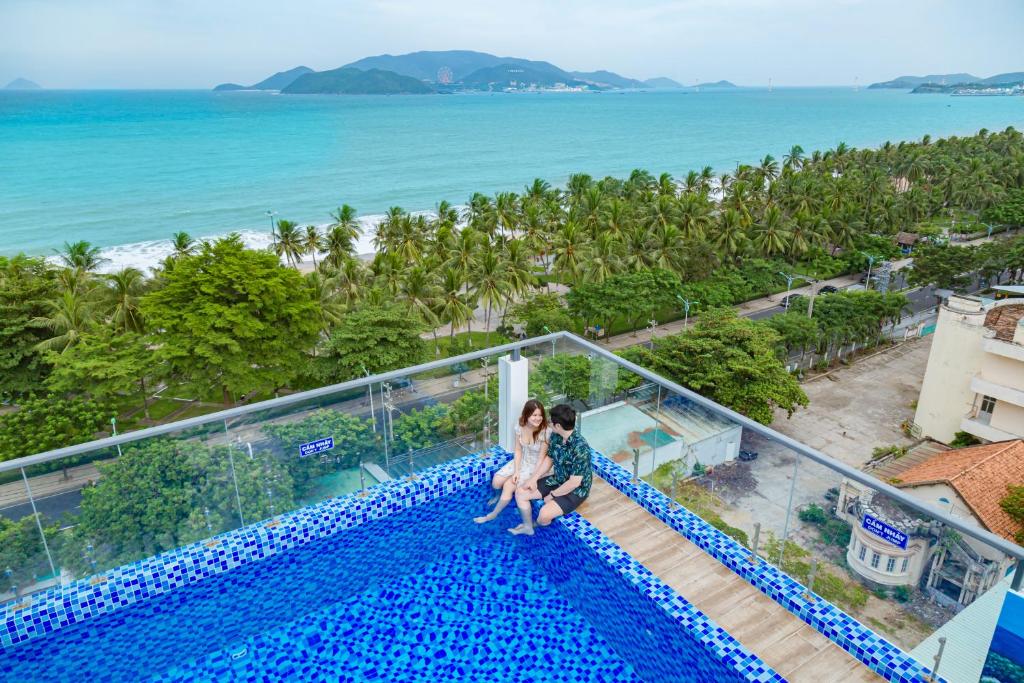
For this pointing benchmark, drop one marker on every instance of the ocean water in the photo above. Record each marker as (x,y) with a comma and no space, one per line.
(126,169)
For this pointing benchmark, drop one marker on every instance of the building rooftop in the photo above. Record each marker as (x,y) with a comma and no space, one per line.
(980,475)
(1003,320)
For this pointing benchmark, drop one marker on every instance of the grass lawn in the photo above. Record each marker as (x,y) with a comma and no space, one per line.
(162,407)
(466,342)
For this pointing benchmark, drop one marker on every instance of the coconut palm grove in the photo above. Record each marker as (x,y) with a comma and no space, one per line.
(221,324)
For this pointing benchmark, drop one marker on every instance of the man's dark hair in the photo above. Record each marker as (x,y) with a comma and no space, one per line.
(564,416)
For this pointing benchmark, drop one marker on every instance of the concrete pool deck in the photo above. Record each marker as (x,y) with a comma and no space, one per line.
(784,642)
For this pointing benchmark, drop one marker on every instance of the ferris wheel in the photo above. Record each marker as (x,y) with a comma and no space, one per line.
(444,75)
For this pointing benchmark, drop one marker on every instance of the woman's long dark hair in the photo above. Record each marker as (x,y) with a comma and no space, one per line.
(528,409)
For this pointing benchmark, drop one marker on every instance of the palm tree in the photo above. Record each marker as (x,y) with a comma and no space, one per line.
(330,304)
(312,242)
(68,317)
(451,303)
(339,245)
(288,242)
(183,244)
(491,285)
(81,255)
(771,235)
(730,235)
(795,158)
(125,291)
(420,294)
(604,260)
(569,249)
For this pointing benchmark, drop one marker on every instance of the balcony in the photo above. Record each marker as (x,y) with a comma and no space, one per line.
(332,531)
(983,430)
(1000,392)
(1004,348)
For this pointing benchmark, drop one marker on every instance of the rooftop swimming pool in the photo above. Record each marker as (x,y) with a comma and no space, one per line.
(421,595)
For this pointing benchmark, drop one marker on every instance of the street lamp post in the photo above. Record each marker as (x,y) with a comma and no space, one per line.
(552,341)
(810,302)
(273,232)
(789,285)
(871,262)
(113,425)
(686,309)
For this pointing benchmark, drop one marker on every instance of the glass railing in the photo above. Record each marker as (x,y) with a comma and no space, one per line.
(70,514)
(904,561)
(891,557)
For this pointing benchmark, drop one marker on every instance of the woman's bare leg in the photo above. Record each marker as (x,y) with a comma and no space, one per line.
(498,484)
(507,491)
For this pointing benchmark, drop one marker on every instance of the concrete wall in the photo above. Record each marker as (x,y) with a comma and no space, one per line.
(1008,418)
(916,554)
(944,497)
(955,357)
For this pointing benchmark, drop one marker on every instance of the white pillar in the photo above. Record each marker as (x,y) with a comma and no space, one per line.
(513,390)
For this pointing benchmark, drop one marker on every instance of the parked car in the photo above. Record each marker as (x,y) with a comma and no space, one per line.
(747,456)
(787,300)
(828,289)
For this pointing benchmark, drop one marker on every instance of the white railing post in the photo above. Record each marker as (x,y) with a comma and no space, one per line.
(513,390)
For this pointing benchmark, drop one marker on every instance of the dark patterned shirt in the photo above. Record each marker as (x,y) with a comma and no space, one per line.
(571,458)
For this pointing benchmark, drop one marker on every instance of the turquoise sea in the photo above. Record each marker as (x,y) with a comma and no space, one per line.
(125,169)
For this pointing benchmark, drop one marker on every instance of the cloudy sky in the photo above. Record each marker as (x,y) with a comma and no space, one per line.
(198,43)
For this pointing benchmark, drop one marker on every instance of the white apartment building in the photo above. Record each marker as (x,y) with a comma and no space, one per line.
(974,381)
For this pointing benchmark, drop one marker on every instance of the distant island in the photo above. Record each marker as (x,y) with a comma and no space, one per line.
(22,84)
(662,83)
(1011,83)
(445,72)
(716,84)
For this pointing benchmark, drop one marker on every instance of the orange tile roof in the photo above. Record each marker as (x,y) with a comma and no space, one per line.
(980,474)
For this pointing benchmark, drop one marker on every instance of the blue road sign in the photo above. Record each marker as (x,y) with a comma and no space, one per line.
(884,531)
(318,446)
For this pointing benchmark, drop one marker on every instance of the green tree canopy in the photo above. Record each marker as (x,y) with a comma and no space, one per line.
(103,365)
(49,422)
(26,284)
(540,311)
(372,339)
(163,493)
(233,318)
(730,360)
(944,266)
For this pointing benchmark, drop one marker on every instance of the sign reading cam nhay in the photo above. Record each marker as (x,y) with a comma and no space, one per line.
(318,446)
(884,531)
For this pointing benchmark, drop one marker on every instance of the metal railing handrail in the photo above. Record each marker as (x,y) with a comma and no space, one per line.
(813,454)
(270,404)
(515,348)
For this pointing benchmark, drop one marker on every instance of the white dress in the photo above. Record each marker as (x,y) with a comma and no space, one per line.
(529,458)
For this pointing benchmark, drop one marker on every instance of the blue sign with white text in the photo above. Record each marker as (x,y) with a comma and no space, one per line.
(318,446)
(884,531)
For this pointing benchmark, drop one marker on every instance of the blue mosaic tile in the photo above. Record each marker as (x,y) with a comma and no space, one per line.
(421,595)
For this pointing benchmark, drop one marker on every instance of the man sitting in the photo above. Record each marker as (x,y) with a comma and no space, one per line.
(569,485)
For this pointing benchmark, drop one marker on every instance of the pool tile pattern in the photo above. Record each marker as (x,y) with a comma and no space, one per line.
(878,654)
(61,606)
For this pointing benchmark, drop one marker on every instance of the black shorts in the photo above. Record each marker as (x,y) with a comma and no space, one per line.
(568,502)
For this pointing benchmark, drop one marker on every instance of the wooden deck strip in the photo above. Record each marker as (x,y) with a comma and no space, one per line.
(764,627)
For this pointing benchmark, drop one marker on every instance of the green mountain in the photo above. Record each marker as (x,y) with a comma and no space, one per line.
(22,84)
(437,66)
(607,79)
(279,81)
(519,76)
(1012,77)
(908,82)
(662,83)
(349,81)
(716,84)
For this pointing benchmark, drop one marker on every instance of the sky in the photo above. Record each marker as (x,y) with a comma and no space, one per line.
(199,43)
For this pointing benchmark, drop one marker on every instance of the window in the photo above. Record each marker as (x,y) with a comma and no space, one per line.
(875,557)
(863,552)
(987,404)
(903,568)
(890,565)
